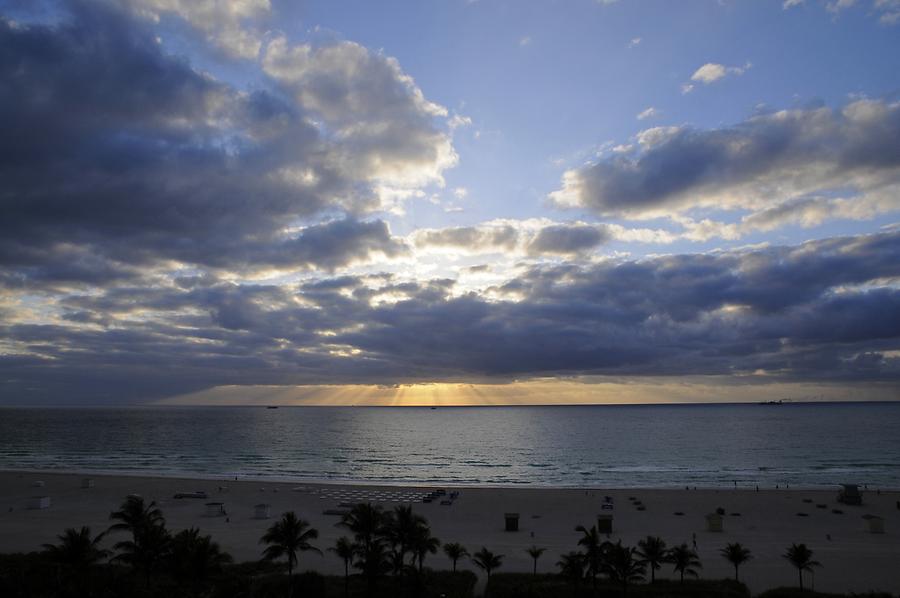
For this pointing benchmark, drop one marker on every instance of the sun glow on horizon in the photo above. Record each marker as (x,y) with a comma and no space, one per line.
(548,391)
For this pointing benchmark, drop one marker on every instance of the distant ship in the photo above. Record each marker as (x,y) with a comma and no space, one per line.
(778,402)
(272,407)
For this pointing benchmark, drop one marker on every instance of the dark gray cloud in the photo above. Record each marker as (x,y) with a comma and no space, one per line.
(471,237)
(116,155)
(757,164)
(823,311)
(568,239)
(533,238)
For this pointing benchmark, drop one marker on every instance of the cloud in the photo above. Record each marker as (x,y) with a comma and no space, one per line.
(386,125)
(488,237)
(888,11)
(535,238)
(845,162)
(650,112)
(825,311)
(118,156)
(225,24)
(326,246)
(525,41)
(567,239)
(712,72)
(634,42)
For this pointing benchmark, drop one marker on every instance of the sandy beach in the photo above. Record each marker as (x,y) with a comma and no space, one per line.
(765,521)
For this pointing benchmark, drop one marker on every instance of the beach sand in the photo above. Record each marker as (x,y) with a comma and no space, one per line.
(853,559)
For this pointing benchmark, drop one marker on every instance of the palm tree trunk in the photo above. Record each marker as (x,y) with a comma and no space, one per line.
(346,578)
(290,577)
(652,574)
(736,573)
(534,569)
(682,576)
(800,571)
(454,565)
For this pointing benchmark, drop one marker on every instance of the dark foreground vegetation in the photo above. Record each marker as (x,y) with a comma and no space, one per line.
(35,576)
(522,585)
(383,555)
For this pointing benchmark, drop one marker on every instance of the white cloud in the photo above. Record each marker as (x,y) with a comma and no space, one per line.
(458,120)
(650,112)
(686,88)
(525,41)
(838,5)
(225,23)
(635,41)
(888,11)
(711,72)
(389,131)
(650,138)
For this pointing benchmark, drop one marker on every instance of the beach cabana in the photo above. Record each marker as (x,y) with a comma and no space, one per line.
(604,523)
(849,494)
(215,509)
(714,522)
(512,522)
(87,483)
(39,502)
(261,511)
(874,524)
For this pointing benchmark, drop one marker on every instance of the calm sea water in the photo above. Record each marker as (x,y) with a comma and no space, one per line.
(610,446)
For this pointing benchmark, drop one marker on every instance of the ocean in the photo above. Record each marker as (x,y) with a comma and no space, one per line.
(663,446)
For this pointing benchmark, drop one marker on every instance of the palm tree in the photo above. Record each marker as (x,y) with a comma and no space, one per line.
(423,543)
(78,551)
(594,547)
(455,551)
(621,565)
(77,548)
(287,537)
(149,548)
(535,553)
(487,560)
(571,565)
(737,555)
(134,516)
(194,557)
(345,550)
(801,557)
(374,562)
(367,522)
(149,538)
(401,528)
(653,550)
(685,561)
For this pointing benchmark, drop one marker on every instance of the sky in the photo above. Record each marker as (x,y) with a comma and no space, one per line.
(449,202)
